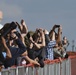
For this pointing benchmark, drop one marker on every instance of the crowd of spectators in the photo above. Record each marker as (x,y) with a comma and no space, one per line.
(21,46)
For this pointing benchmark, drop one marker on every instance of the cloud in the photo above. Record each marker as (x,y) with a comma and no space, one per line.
(10,10)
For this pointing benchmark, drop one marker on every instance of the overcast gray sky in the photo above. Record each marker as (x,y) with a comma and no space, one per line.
(42,13)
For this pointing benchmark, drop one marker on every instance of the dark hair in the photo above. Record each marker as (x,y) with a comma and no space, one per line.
(7,28)
(35,36)
(30,33)
(17,33)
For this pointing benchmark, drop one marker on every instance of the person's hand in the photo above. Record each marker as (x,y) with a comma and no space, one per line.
(60,29)
(34,63)
(23,22)
(54,27)
(23,27)
(60,59)
(46,32)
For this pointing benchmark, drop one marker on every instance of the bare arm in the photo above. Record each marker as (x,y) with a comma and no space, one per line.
(52,33)
(43,38)
(34,43)
(39,45)
(8,53)
(25,54)
(23,27)
(59,38)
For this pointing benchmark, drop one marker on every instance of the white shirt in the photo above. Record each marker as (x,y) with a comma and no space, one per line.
(4,54)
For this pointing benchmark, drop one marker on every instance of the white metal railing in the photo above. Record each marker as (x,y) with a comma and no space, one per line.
(55,68)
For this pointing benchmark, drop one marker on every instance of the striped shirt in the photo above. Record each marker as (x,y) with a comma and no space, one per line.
(49,50)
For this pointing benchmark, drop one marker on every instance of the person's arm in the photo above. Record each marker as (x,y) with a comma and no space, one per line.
(20,44)
(32,61)
(52,33)
(34,43)
(53,36)
(18,41)
(42,38)
(47,38)
(60,59)
(23,27)
(8,53)
(25,54)
(59,37)
(42,44)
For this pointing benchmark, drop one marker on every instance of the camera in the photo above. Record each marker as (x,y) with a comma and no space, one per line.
(57,26)
(17,34)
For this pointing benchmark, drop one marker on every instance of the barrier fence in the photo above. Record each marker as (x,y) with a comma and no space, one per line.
(73,65)
(54,67)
